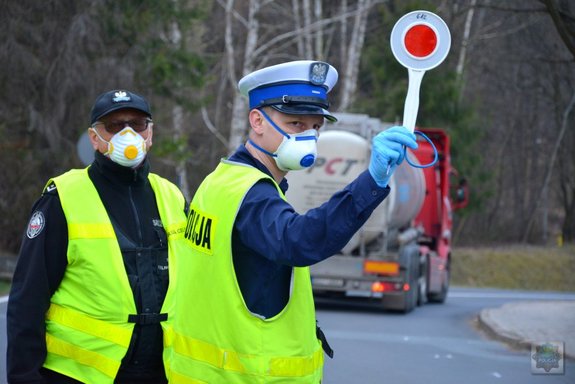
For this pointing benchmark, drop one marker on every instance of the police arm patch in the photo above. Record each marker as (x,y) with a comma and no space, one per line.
(36,224)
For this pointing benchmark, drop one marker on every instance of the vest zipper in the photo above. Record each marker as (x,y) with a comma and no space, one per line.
(138,223)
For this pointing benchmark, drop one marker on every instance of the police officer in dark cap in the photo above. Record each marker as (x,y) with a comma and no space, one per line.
(91,288)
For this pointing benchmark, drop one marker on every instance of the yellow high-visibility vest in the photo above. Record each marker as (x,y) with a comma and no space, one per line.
(213,336)
(87,328)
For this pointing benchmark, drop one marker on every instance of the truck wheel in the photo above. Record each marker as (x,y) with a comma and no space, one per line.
(422,285)
(411,297)
(442,295)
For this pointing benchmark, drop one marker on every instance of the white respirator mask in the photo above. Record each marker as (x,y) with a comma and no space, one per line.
(296,151)
(126,147)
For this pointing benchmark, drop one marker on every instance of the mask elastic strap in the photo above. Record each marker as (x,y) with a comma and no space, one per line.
(261,149)
(273,124)
(265,115)
(101,138)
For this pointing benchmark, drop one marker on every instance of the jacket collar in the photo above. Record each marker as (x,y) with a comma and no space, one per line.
(242,155)
(119,174)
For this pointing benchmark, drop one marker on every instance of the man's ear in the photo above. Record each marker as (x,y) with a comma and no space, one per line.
(256,121)
(150,136)
(93,138)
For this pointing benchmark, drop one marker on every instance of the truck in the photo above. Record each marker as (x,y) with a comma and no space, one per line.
(401,257)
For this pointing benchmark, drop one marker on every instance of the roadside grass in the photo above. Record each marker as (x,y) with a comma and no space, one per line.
(4,287)
(515,267)
(506,267)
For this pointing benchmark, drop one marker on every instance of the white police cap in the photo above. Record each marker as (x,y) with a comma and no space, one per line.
(296,87)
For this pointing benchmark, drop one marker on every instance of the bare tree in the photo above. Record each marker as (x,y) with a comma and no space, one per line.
(551,165)
(465,41)
(239,105)
(515,59)
(354,49)
(178,121)
(563,19)
(565,24)
(308,37)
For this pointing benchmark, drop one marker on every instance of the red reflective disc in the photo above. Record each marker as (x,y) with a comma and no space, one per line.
(420,40)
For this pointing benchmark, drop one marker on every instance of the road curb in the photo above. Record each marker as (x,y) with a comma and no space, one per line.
(512,324)
(494,331)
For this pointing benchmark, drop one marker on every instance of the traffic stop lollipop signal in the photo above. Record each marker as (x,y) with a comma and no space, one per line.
(420,41)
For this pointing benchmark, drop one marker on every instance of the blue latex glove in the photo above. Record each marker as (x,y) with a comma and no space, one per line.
(387,152)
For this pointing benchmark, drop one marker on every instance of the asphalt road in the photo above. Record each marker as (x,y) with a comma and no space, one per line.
(437,343)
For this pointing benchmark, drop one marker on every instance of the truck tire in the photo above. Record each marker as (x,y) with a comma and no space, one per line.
(442,294)
(411,296)
(423,281)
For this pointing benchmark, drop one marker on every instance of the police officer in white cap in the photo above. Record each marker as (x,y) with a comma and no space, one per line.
(245,291)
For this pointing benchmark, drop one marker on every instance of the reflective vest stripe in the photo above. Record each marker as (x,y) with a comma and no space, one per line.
(176,378)
(225,342)
(90,231)
(296,366)
(207,353)
(92,359)
(176,231)
(101,329)
(249,364)
(87,329)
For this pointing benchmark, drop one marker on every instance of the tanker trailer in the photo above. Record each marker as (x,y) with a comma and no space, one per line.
(400,257)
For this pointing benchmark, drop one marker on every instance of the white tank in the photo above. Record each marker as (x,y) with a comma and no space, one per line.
(342,156)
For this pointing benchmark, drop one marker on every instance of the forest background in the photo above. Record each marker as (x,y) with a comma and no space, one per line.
(505,94)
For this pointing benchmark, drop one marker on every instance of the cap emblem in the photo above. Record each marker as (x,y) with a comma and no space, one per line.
(318,73)
(121,96)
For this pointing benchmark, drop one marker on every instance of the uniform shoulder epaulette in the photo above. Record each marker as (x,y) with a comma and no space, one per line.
(50,189)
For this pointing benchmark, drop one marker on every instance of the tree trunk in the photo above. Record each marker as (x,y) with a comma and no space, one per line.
(464,46)
(308,52)
(355,46)
(298,26)
(239,125)
(343,32)
(564,124)
(318,46)
(181,171)
(178,122)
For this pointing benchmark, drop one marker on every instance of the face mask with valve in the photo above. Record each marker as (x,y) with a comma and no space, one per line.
(296,151)
(126,147)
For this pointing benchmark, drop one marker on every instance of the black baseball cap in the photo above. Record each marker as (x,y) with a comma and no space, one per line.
(118,99)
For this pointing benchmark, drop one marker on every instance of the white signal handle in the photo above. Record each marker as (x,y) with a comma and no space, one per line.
(412,99)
